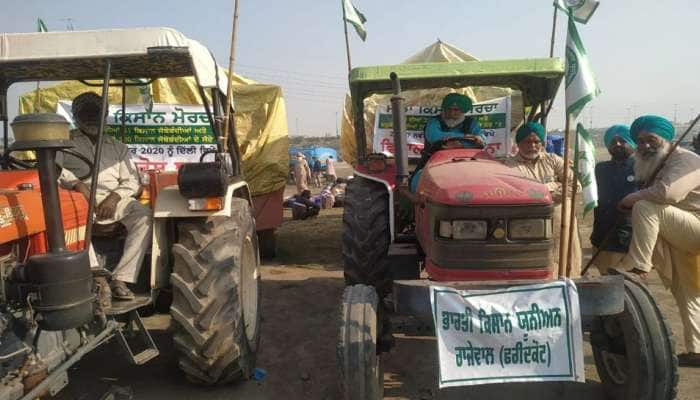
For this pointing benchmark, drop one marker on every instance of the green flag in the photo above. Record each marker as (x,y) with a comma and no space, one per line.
(580,85)
(352,15)
(41,26)
(582,10)
(584,162)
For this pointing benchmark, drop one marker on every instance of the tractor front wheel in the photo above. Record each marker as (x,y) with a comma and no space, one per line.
(634,351)
(216,296)
(362,377)
(366,235)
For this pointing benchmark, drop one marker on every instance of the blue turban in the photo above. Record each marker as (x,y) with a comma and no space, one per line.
(623,131)
(530,127)
(652,123)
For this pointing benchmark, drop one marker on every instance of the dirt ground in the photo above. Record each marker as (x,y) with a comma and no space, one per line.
(301,292)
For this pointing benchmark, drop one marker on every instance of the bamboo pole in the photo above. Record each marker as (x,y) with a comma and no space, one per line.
(231,60)
(564,225)
(554,32)
(347,41)
(572,218)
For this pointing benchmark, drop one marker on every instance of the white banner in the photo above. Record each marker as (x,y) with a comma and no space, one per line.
(520,334)
(493,116)
(164,138)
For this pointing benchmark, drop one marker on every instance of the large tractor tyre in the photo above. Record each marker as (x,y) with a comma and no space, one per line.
(216,296)
(634,351)
(359,361)
(366,235)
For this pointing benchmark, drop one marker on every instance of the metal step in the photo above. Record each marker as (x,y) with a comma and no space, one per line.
(135,329)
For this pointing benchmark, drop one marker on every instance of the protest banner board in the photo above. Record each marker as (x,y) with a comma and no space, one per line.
(493,116)
(164,138)
(528,333)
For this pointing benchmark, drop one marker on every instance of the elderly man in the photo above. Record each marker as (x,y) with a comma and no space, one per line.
(615,179)
(117,184)
(450,130)
(666,222)
(548,169)
(302,173)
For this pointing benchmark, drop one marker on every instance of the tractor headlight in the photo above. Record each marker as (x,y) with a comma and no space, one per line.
(465,229)
(534,228)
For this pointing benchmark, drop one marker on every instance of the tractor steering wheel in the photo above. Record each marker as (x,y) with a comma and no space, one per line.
(16,163)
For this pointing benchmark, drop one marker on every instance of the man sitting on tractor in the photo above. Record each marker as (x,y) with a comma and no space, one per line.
(547,168)
(117,184)
(450,130)
(666,222)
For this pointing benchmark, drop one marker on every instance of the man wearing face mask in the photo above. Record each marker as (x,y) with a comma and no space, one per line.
(615,179)
(547,168)
(117,184)
(666,222)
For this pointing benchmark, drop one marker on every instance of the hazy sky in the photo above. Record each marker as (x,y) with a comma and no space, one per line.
(644,52)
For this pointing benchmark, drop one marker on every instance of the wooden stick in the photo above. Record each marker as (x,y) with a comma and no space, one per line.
(554,32)
(229,88)
(564,226)
(347,41)
(572,218)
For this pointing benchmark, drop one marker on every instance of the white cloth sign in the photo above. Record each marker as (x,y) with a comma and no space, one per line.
(493,116)
(518,334)
(163,138)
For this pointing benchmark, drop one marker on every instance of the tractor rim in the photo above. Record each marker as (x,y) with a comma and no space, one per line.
(249,290)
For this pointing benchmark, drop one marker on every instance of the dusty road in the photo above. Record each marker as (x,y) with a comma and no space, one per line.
(300,305)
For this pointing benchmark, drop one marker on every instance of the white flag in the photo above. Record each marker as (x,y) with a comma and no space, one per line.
(580,84)
(582,10)
(356,18)
(585,168)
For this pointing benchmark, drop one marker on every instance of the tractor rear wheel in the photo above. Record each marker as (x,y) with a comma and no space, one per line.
(366,235)
(216,296)
(362,376)
(634,351)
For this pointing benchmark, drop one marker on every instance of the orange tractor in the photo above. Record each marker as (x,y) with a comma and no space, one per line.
(204,247)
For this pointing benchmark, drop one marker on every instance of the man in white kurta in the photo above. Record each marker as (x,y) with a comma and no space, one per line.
(666,222)
(117,185)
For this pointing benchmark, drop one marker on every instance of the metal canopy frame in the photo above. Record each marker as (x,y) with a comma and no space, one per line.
(158,62)
(538,80)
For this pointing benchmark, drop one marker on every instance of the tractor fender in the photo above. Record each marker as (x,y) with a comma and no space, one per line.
(390,189)
(170,204)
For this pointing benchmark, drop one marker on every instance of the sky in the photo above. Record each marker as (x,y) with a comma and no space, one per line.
(643,52)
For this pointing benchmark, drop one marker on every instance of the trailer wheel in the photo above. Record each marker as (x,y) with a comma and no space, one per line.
(360,367)
(216,296)
(634,351)
(366,235)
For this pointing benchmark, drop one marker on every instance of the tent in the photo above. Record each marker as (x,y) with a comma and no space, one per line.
(261,120)
(435,53)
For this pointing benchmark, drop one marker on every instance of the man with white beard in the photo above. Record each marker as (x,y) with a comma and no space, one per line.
(547,168)
(666,222)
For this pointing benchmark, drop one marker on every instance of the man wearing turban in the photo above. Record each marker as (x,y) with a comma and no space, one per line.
(451,129)
(666,222)
(302,173)
(547,168)
(117,185)
(615,179)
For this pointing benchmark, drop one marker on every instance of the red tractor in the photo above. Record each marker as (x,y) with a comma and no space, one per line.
(204,247)
(472,224)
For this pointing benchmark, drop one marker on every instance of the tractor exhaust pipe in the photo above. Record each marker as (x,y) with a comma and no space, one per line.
(398,113)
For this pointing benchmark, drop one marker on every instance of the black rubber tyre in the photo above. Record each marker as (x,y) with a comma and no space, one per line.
(634,351)
(366,235)
(216,296)
(268,243)
(360,367)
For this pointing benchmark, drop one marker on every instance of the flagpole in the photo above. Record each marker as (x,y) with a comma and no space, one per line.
(554,31)
(347,41)
(229,88)
(572,217)
(564,225)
